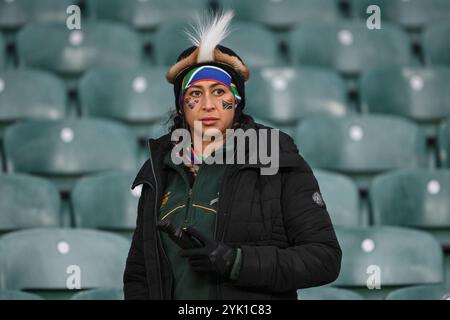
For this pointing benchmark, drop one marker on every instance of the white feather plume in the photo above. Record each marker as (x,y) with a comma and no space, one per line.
(209,31)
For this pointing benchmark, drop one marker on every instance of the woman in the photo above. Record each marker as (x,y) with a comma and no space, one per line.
(258,236)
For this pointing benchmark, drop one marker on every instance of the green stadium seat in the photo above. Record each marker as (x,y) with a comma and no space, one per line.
(387,258)
(341,197)
(411,14)
(349,47)
(99,294)
(65,150)
(27,202)
(444,144)
(137,96)
(145,15)
(242,38)
(361,146)
(327,293)
(413,198)
(435,48)
(14,14)
(283,14)
(71,52)
(420,94)
(427,292)
(55,263)
(30,94)
(286,95)
(104,201)
(18,295)
(49,10)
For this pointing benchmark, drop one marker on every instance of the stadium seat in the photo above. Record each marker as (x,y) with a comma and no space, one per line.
(444,144)
(14,14)
(49,10)
(65,150)
(71,52)
(420,94)
(2,52)
(361,146)
(55,263)
(27,202)
(411,14)
(140,96)
(145,15)
(413,198)
(105,201)
(99,294)
(387,258)
(349,47)
(18,295)
(327,293)
(283,14)
(242,38)
(30,94)
(341,197)
(426,292)
(285,95)
(435,48)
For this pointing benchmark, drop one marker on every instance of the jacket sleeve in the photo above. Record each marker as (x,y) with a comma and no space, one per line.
(135,279)
(314,255)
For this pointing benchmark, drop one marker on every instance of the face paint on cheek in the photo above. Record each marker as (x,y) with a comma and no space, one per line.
(228,104)
(191,103)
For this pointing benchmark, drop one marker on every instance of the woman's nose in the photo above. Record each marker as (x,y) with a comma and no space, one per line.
(208,103)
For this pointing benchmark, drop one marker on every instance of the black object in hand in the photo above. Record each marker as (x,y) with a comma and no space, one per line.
(179,235)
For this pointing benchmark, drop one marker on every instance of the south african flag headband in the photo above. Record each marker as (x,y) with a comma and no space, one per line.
(210,73)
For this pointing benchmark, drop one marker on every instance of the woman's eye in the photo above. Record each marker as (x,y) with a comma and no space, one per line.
(195,93)
(218,92)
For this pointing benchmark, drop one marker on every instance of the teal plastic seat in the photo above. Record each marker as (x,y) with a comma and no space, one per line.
(30,94)
(55,263)
(65,150)
(420,94)
(28,202)
(105,201)
(341,197)
(427,292)
(71,52)
(327,293)
(242,38)
(444,144)
(413,198)
(387,258)
(361,146)
(435,49)
(286,95)
(18,295)
(283,14)
(349,47)
(99,294)
(411,14)
(14,14)
(50,10)
(145,15)
(136,96)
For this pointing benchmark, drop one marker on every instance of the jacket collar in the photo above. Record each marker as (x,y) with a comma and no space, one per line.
(158,148)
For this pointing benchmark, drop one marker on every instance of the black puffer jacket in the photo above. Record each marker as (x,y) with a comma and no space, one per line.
(279,221)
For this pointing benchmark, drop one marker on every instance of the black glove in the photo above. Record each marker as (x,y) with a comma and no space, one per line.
(214,256)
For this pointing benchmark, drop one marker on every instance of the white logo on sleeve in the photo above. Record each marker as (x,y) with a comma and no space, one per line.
(318,199)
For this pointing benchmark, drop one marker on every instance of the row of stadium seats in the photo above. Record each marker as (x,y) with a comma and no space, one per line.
(347,46)
(66,149)
(416,198)
(47,261)
(145,15)
(140,98)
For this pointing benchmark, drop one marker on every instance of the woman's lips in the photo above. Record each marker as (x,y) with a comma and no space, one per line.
(209,121)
